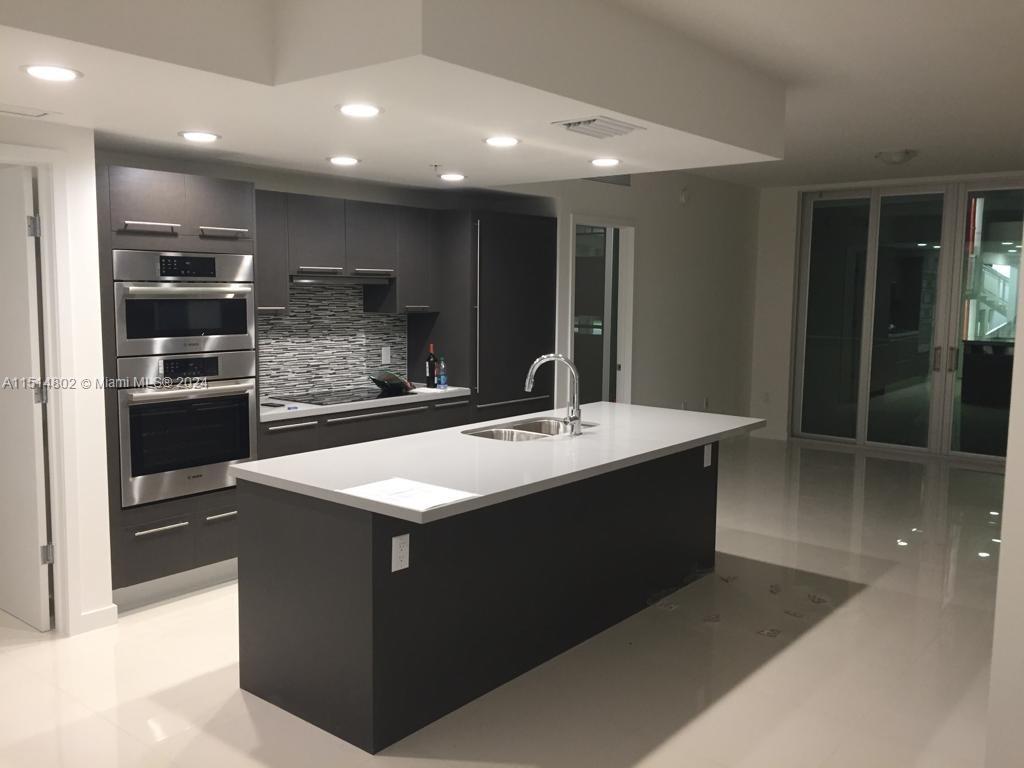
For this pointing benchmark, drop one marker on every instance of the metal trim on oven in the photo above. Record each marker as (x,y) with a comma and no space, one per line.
(188,480)
(169,345)
(145,265)
(149,371)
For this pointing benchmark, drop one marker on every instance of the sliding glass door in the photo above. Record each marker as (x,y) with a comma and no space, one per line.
(908,303)
(904,334)
(982,337)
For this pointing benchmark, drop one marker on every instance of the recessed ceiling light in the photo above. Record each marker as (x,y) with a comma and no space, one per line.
(994,513)
(901,542)
(52,73)
(359,110)
(199,137)
(936,247)
(605,162)
(343,160)
(452,177)
(984,554)
(997,541)
(922,245)
(502,142)
(1007,242)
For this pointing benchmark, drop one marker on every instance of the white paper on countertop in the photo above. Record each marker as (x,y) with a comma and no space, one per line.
(410,494)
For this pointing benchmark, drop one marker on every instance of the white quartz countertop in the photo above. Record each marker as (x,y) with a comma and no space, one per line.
(496,471)
(292,410)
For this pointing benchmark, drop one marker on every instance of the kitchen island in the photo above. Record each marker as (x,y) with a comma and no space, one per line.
(370,612)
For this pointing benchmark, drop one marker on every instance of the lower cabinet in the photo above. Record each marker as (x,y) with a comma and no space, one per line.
(362,427)
(171,536)
(283,438)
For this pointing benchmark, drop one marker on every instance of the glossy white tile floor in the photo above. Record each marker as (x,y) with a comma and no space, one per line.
(849,624)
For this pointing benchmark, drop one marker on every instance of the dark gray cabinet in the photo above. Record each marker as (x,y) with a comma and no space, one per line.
(155,210)
(218,208)
(283,438)
(167,537)
(144,201)
(316,235)
(361,427)
(271,251)
(415,255)
(516,275)
(371,239)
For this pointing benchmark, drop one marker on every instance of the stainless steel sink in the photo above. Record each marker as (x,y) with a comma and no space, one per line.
(543,426)
(508,435)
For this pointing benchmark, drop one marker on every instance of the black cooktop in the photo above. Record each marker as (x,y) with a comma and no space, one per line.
(337,397)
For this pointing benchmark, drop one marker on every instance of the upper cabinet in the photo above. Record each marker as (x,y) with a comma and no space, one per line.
(177,211)
(218,208)
(271,251)
(316,235)
(371,239)
(415,261)
(147,201)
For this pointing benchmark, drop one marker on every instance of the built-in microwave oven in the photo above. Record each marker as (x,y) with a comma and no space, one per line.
(183,421)
(175,303)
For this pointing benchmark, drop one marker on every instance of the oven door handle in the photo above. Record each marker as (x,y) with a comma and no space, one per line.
(157,396)
(191,291)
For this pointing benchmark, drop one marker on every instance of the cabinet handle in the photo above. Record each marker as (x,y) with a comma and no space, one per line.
(271,309)
(368,271)
(148,225)
(222,515)
(417,306)
(321,269)
(512,402)
(361,417)
(452,405)
(954,359)
(937,359)
(161,529)
(477,306)
(285,427)
(222,231)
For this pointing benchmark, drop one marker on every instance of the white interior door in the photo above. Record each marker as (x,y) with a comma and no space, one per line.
(24,579)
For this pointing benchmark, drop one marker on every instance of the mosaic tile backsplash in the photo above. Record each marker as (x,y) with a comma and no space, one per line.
(325,341)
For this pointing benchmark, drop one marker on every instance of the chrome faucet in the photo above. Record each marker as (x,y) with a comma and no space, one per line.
(575,416)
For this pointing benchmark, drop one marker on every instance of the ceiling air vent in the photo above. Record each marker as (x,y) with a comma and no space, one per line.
(599,127)
(14,109)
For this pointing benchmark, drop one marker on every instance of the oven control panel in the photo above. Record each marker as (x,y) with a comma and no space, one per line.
(191,368)
(187,266)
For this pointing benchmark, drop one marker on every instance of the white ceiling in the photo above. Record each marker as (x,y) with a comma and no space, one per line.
(938,76)
(436,110)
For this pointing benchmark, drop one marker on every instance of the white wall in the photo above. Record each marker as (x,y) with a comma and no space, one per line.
(771,366)
(74,351)
(695,265)
(1006,688)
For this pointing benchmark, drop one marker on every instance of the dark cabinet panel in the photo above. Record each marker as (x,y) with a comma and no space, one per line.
(271,251)
(360,427)
(218,208)
(453,413)
(216,535)
(283,438)
(371,238)
(415,253)
(316,235)
(516,265)
(149,551)
(144,201)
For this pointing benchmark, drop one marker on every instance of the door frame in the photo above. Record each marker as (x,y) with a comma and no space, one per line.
(627,297)
(947,314)
(50,182)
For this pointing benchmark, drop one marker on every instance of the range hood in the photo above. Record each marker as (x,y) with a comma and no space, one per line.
(338,280)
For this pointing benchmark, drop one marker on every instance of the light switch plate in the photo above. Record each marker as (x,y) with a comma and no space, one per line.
(707,455)
(385,355)
(399,552)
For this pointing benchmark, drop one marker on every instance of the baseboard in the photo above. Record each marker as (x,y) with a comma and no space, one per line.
(94,619)
(175,585)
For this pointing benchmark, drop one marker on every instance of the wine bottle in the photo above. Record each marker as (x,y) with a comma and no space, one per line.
(431,368)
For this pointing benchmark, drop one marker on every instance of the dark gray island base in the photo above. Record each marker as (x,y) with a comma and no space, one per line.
(329,633)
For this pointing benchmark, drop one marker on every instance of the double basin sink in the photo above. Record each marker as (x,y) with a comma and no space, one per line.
(519,431)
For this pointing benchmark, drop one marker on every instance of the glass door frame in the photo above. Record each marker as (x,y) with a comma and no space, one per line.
(943,298)
(954,299)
